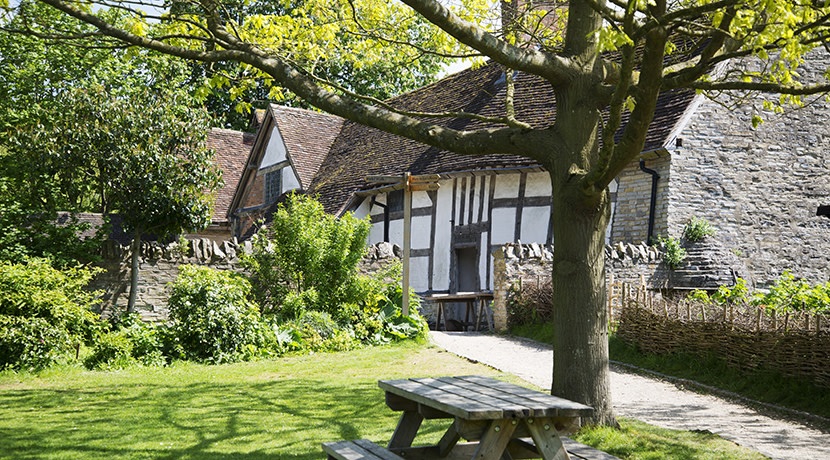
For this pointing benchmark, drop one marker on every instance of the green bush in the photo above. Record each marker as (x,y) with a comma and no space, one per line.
(212,318)
(305,250)
(31,343)
(698,229)
(112,350)
(130,341)
(673,252)
(46,312)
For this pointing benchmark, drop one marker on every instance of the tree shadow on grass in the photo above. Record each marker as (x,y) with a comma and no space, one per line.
(245,420)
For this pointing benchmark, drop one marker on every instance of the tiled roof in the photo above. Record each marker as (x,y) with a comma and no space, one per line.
(360,151)
(232,148)
(308,137)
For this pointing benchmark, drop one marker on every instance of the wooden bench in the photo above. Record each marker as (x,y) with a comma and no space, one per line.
(359,449)
(363,449)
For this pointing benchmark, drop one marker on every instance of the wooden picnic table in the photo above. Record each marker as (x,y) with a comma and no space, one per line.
(470,298)
(492,414)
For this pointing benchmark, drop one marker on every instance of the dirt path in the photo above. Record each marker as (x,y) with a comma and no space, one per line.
(651,400)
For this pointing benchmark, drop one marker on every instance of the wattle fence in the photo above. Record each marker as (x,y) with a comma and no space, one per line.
(750,337)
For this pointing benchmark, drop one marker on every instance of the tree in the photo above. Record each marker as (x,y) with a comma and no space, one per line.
(144,156)
(651,46)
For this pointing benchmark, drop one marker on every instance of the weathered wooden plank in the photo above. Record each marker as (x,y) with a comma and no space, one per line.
(556,406)
(375,449)
(448,441)
(511,405)
(406,430)
(439,399)
(398,402)
(357,450)
(475,398)
(495,439)
(582,452)
(546,439)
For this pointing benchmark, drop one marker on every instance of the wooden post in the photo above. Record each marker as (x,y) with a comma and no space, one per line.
(407,234)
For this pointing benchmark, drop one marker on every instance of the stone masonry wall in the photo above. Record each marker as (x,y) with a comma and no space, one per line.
(759,187)
(159,266)
(624,262)
(630,221)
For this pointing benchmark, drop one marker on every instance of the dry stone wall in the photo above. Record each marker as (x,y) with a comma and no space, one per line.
(624,262)
(159,265)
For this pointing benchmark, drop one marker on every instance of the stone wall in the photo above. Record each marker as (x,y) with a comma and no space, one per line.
(759,187)
(159,266)
(529,262)
(630,220)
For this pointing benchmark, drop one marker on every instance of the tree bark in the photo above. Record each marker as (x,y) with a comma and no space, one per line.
(134,256)
(580,319)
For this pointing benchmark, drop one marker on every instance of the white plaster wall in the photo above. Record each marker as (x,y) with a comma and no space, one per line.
(396,232)
(483,260)
(441,249)
(421,200)
(476,199)
(419,273)
(421,230)
(376,233)
(363,209)
(503,225)
(507,186)
(486,209)
(275,150)
(289,180)
(535,224)
(538,184)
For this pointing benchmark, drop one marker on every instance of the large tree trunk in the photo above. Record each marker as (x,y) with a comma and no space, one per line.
(579,219)
(580,316)
(134,256)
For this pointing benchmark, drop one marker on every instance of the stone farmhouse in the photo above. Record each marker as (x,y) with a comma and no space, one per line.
(760,187)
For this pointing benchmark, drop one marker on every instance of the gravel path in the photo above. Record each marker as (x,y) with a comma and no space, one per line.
(650,400)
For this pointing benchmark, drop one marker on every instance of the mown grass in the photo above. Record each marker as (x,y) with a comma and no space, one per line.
(763,386)
(279,409)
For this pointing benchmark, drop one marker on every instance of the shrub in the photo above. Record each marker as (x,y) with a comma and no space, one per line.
(673,252)
(305,249)
(112,350)
(31,343)
(44,311)
(530,303)
(698,229)
(129,341)
(212,318)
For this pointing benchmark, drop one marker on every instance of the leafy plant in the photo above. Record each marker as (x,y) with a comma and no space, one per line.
(305,249)
(673,252)
(212,318)
(697,229)
(31,342)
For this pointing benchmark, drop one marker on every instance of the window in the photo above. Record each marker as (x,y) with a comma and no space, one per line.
(273,185)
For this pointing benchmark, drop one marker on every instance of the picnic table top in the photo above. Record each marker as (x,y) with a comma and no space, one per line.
(460,296)
(483,398)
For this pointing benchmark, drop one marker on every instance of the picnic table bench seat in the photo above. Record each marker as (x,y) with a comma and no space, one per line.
(359,449)
(364,449)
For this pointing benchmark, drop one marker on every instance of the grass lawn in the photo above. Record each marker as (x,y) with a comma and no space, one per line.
(280,409)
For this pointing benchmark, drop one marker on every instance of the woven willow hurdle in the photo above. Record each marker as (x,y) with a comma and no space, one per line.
(745,336)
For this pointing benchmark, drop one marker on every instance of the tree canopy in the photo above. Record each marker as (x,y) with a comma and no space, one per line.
(598,55)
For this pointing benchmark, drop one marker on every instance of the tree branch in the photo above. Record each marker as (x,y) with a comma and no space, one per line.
(546,65)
